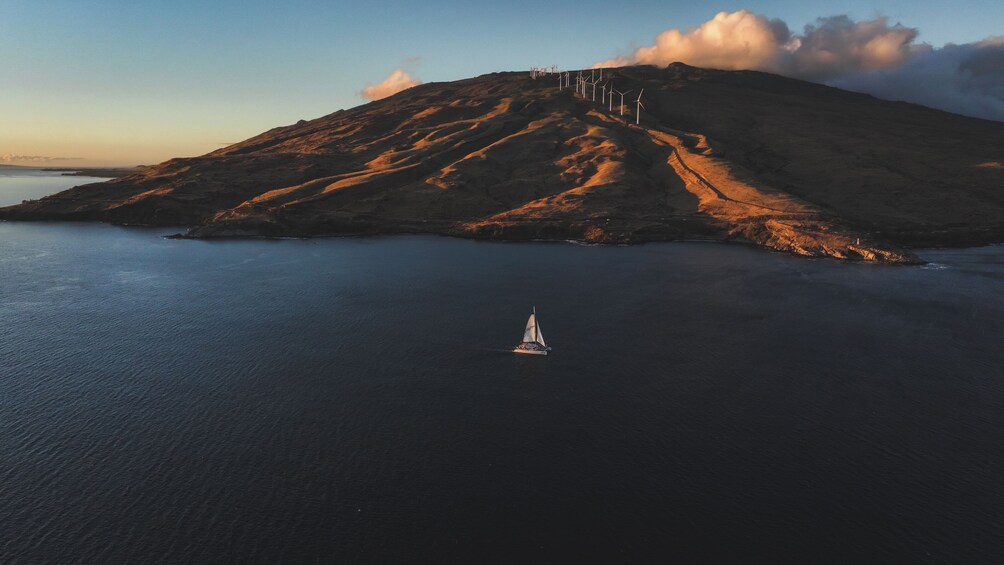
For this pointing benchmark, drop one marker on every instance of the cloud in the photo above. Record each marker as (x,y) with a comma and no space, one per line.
(736,40)
(744,40)
(866,56)
(838,45)
(965,79)
(395,82)
(11,158)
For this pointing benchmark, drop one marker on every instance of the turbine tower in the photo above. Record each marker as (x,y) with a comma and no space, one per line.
(637,115)
(622,98)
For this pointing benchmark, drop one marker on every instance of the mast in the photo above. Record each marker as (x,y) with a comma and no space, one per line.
(536,325)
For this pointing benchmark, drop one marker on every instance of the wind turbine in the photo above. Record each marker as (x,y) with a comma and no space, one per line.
(622,98)
(637,115)
(603,96)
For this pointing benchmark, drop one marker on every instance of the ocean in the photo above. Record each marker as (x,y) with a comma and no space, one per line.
(355,400)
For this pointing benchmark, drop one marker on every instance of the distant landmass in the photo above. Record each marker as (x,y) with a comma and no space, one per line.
(107,172)
(104,172)
(721,155)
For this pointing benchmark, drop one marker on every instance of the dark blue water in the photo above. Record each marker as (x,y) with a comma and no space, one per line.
(354,400)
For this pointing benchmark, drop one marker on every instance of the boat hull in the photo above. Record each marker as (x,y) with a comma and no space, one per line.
(530,351)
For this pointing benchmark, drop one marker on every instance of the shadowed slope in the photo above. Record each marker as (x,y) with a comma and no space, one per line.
(787,164)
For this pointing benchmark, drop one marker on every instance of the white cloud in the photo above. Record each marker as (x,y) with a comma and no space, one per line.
(395,82)
(866,56)
(744,40)
(736,40)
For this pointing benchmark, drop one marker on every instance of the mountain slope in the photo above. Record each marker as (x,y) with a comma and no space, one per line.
(787,164)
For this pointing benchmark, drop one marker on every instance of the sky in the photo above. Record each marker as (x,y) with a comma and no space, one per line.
(108,82)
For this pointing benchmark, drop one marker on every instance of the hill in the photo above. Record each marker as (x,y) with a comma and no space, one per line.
(790,165)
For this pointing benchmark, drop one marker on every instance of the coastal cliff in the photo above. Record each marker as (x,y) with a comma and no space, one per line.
(720,155)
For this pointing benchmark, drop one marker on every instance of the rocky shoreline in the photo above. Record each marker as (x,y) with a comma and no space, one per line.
(775,237)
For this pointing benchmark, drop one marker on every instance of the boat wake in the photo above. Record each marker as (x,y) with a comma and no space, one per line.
(495,349)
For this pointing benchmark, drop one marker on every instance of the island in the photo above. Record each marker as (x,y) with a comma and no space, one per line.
(715,155)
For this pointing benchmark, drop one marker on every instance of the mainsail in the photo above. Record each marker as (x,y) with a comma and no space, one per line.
(532,332)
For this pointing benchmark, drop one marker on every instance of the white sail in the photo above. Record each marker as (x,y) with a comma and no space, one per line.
(530,333)
(540,336)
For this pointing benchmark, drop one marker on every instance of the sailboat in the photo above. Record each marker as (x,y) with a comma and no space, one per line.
(533,340)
